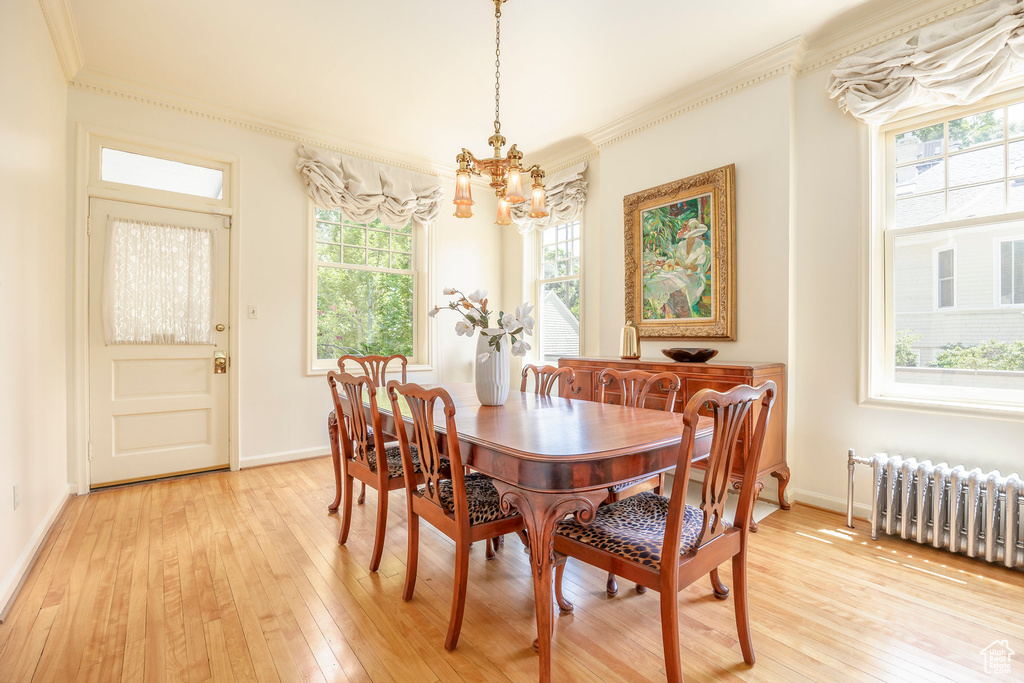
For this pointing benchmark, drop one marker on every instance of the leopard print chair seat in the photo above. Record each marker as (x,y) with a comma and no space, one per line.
(634,528)
(483,500)
(393,456)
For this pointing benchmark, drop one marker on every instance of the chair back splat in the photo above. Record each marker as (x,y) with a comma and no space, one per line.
(420,403)
(635,385)
(546,378)
(730,411)
(376,367)
(357,437)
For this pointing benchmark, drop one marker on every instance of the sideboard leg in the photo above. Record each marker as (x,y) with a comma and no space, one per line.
(782,474)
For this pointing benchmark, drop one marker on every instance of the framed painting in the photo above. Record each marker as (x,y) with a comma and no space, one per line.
(681,259)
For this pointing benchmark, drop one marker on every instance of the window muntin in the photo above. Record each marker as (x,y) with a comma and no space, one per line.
(558,291)
(954,193)
(366,287)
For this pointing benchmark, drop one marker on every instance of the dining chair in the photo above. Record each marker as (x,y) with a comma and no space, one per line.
(546,377)
(374,367)
(666,544)
(633,389)
(361,442)
(464,507)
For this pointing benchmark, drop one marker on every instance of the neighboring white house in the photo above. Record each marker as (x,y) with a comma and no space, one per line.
(560,329)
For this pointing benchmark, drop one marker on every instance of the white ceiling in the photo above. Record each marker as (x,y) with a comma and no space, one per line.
(416,77)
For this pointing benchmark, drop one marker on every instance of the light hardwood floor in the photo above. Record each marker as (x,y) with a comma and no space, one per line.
(239,576)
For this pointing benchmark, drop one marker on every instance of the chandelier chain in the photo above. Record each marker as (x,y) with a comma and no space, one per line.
(497,68)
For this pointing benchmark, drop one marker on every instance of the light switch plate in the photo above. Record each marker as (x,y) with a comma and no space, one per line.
(254,312)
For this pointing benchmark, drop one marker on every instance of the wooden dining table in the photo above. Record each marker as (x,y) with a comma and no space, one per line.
(550,457)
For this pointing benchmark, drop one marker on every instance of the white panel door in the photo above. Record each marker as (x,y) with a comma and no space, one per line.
(156,408)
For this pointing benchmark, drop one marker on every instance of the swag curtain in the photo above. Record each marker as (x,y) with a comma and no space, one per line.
(158,284)
(566,195)
(951,62)
(364,190)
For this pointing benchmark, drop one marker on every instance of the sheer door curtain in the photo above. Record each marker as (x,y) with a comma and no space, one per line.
(158,284)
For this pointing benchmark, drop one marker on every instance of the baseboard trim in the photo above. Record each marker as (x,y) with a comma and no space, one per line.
(830,503)
(283,456)
(15,578)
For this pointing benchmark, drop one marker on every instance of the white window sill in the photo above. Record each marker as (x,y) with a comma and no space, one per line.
(989,411)
(322,372)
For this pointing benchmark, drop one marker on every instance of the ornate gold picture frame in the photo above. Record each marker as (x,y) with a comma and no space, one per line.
(681,257)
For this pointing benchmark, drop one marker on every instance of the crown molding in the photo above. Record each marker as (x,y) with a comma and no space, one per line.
(93,82)
(899,18)
(779,61)
(563,155)
(57,14)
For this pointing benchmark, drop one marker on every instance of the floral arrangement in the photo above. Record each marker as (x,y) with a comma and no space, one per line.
(473,308)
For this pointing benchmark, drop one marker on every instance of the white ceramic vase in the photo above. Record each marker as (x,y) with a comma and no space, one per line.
(492,375)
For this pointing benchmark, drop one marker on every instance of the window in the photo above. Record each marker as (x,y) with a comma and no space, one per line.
(1011,272)
(117,166)
(953,194)
(558,291)
(944,279)
(366,288)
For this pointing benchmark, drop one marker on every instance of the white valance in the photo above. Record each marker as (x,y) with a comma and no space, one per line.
(956,61)
(365,190)
(566,194)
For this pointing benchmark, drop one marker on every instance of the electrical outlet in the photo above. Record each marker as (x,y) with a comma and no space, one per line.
(17,496)
(254,312)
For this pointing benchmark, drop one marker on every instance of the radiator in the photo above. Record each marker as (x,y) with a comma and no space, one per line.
(972,512)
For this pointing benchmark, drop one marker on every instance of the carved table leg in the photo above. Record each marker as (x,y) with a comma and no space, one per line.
(542,512)
(758,487)
(332,433)
(783,476)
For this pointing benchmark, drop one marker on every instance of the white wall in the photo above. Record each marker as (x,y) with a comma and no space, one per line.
(751,130)
(282,411)
(33,394)
(829,419)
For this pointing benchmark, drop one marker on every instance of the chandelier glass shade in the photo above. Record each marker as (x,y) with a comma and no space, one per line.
(506,172)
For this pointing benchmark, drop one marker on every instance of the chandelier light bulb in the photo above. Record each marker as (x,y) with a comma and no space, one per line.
(537,208)
(463,191)
(514,191)
(504,212)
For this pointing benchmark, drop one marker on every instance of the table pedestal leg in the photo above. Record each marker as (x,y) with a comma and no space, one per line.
(542,512)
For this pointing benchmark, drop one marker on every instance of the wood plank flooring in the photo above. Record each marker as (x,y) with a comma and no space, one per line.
(239,576)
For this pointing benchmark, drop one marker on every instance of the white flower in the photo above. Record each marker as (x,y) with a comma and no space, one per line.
(509,323)
(462,327)
(477,296)
(524,310)
(524,318)
(433,311)
(448,291)
(520,348)
(483,357)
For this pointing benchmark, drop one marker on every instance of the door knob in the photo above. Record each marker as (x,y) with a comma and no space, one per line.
(220,327)
(220,362)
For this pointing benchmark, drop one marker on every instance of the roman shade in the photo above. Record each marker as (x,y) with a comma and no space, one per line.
(365,191)
(566,194)
(955,61)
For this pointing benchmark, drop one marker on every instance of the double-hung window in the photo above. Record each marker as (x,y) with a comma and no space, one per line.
(366,282)
(948,292)
(558,291)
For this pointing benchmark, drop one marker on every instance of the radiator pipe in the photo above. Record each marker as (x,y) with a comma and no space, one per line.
(851,464)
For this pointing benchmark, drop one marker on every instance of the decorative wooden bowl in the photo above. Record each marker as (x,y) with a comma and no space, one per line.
(690,355)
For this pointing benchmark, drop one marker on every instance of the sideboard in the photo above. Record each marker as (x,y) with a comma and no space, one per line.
(719,376)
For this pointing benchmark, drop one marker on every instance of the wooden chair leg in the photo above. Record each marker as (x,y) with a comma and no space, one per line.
(332,433)
(413,556)
(458,595)
(564,605)
(489,548)
(720,589)
(612,587)
(346,515)
(382,525)
(670,635)
(362,493)
(739,580)
(641,589)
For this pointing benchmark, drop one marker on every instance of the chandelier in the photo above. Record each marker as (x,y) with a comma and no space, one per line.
(506,173)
